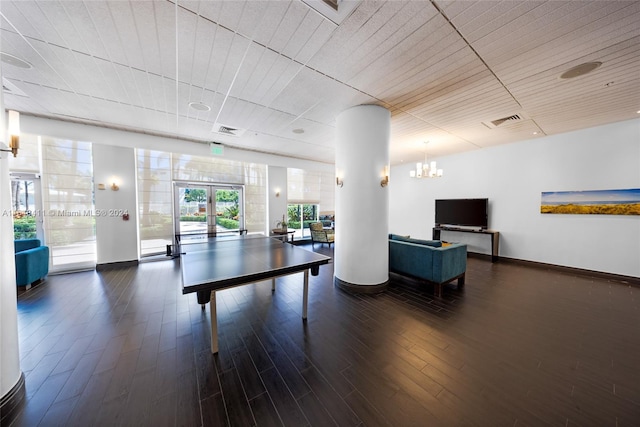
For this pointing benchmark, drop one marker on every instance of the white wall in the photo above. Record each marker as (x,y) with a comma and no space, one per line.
(116,239)
(9,353)
(514,176)
(277,204)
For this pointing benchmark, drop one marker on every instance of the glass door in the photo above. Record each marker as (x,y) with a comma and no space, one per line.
(299,217)
(193,210)
(26,206)
(228,206)
(203,210)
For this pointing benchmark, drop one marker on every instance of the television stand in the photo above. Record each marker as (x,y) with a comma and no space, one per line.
(495,237)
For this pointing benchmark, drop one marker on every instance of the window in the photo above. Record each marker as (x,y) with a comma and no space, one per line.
(300,215)
(67,196)
(157,173)
(252,176)
(154,201)
(310,194)
(65,218)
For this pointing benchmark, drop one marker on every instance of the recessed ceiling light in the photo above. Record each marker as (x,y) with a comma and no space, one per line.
(14,60)
(580,70)
(199,106)
(299,130)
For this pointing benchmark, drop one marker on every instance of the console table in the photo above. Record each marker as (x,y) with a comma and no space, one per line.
(495,237)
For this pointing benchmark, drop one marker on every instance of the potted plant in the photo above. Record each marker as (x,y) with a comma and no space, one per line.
(282,224)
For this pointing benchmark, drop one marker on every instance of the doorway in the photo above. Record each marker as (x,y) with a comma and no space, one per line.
(26,206)
(202,209)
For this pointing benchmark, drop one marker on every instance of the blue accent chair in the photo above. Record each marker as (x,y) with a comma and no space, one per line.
(32,261)
(428,260)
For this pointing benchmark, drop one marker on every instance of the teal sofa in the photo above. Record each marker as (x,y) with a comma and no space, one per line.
(428,260)
(32,261)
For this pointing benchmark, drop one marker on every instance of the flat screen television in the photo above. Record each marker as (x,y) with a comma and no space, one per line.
(462,212)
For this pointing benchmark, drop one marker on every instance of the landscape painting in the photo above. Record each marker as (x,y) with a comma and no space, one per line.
(596,202)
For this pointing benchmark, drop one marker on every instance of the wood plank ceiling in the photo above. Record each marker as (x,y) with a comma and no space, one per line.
(445,69)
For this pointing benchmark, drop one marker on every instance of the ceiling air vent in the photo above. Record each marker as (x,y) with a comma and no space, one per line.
(227,130)
(505,121)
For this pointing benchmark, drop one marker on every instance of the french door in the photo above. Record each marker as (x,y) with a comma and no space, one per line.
(26,206)
(207,209)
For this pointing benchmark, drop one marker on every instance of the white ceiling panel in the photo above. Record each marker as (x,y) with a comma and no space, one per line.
(271,67)
(108,31)
(29,19)
(155,30)
(290,35)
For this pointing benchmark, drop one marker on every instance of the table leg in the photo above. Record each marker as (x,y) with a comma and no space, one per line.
(214,323)
(305,294)
(495,246)
(273,284)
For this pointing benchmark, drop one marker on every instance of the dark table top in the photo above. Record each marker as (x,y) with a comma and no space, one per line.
(222,262)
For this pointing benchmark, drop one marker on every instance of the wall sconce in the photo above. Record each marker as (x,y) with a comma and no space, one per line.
(14,133)
(385,177)
(115,187)
(339,182)
(277,192)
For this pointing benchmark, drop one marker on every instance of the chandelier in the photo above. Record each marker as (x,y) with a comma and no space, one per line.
(426,169)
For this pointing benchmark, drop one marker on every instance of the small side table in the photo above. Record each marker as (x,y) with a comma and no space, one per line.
(283,234)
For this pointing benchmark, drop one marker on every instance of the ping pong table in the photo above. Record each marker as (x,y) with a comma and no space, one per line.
(225,262)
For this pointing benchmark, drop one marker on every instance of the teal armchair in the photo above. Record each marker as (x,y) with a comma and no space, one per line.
(32,261)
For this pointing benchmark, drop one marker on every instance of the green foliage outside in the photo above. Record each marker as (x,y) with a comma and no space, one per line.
(296,224)
(293,213)
(229,224)
(190,218)
(309,214)
(24,228)
(195,195)
(227,196)
(231,212)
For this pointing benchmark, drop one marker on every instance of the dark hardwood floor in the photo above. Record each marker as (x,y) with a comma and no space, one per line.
(517,346)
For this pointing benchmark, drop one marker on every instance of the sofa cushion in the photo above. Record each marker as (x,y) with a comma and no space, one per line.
(24,244)
(397,236)
(434,243)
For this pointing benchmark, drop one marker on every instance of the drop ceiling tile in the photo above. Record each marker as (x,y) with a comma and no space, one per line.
(107,30)
(31,21)
(272,67)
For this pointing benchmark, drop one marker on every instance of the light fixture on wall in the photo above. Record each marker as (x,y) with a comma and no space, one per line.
(277,192)
(14,133)
(115,183)
(339,182)
(385,177)
(426,169)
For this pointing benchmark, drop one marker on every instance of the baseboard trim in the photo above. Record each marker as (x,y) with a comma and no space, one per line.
(11,402)
(360,289)
(619,278)
(120,264)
